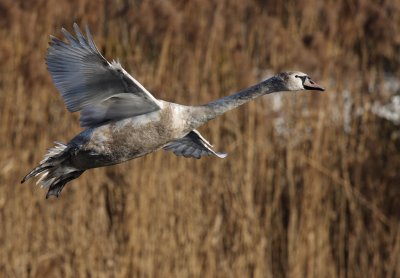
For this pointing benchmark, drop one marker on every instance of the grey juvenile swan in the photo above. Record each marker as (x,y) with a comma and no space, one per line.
(123,120)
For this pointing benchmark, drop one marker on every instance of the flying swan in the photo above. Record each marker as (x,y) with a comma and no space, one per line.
(123,120)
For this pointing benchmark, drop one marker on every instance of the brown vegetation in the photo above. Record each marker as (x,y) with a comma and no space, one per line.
(308,190)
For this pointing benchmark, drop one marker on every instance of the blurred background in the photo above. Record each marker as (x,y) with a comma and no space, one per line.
(311,185)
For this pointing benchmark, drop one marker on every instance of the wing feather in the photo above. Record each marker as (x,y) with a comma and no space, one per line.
(192,145)
(102,91)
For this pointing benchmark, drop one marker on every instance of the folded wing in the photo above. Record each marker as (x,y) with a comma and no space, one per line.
(192,145)
(102,91)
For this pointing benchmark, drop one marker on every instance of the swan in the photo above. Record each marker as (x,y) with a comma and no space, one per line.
(122,120)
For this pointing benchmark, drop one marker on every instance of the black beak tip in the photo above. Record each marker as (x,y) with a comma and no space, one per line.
(314,88)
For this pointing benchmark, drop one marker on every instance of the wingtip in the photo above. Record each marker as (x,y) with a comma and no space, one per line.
(77,29)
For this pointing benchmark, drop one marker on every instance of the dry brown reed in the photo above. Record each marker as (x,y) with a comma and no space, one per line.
(308,190)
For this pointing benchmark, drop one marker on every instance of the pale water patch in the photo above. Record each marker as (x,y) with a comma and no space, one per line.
(389,111)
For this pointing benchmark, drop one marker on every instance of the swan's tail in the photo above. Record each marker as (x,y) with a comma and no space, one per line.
(55,170)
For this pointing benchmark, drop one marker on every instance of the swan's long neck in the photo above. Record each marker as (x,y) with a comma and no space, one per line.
(213,109)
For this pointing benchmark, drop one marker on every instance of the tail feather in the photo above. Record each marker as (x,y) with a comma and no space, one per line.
(56,187)
(55,170)
(55,152)
(35,172)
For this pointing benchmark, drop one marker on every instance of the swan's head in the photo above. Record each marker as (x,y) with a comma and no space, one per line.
(298,81)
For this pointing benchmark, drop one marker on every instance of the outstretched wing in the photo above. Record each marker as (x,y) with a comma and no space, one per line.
(192,145)
(102,91)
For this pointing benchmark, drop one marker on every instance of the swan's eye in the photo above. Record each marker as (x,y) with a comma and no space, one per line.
(296,76)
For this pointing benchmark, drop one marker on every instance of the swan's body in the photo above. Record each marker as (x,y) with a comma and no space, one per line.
(123,120)
(129,138)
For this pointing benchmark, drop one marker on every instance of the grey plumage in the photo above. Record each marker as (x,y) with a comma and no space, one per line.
(192,145)
(102,91)
(123,120)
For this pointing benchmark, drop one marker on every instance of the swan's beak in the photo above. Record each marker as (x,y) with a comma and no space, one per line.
(311,85)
